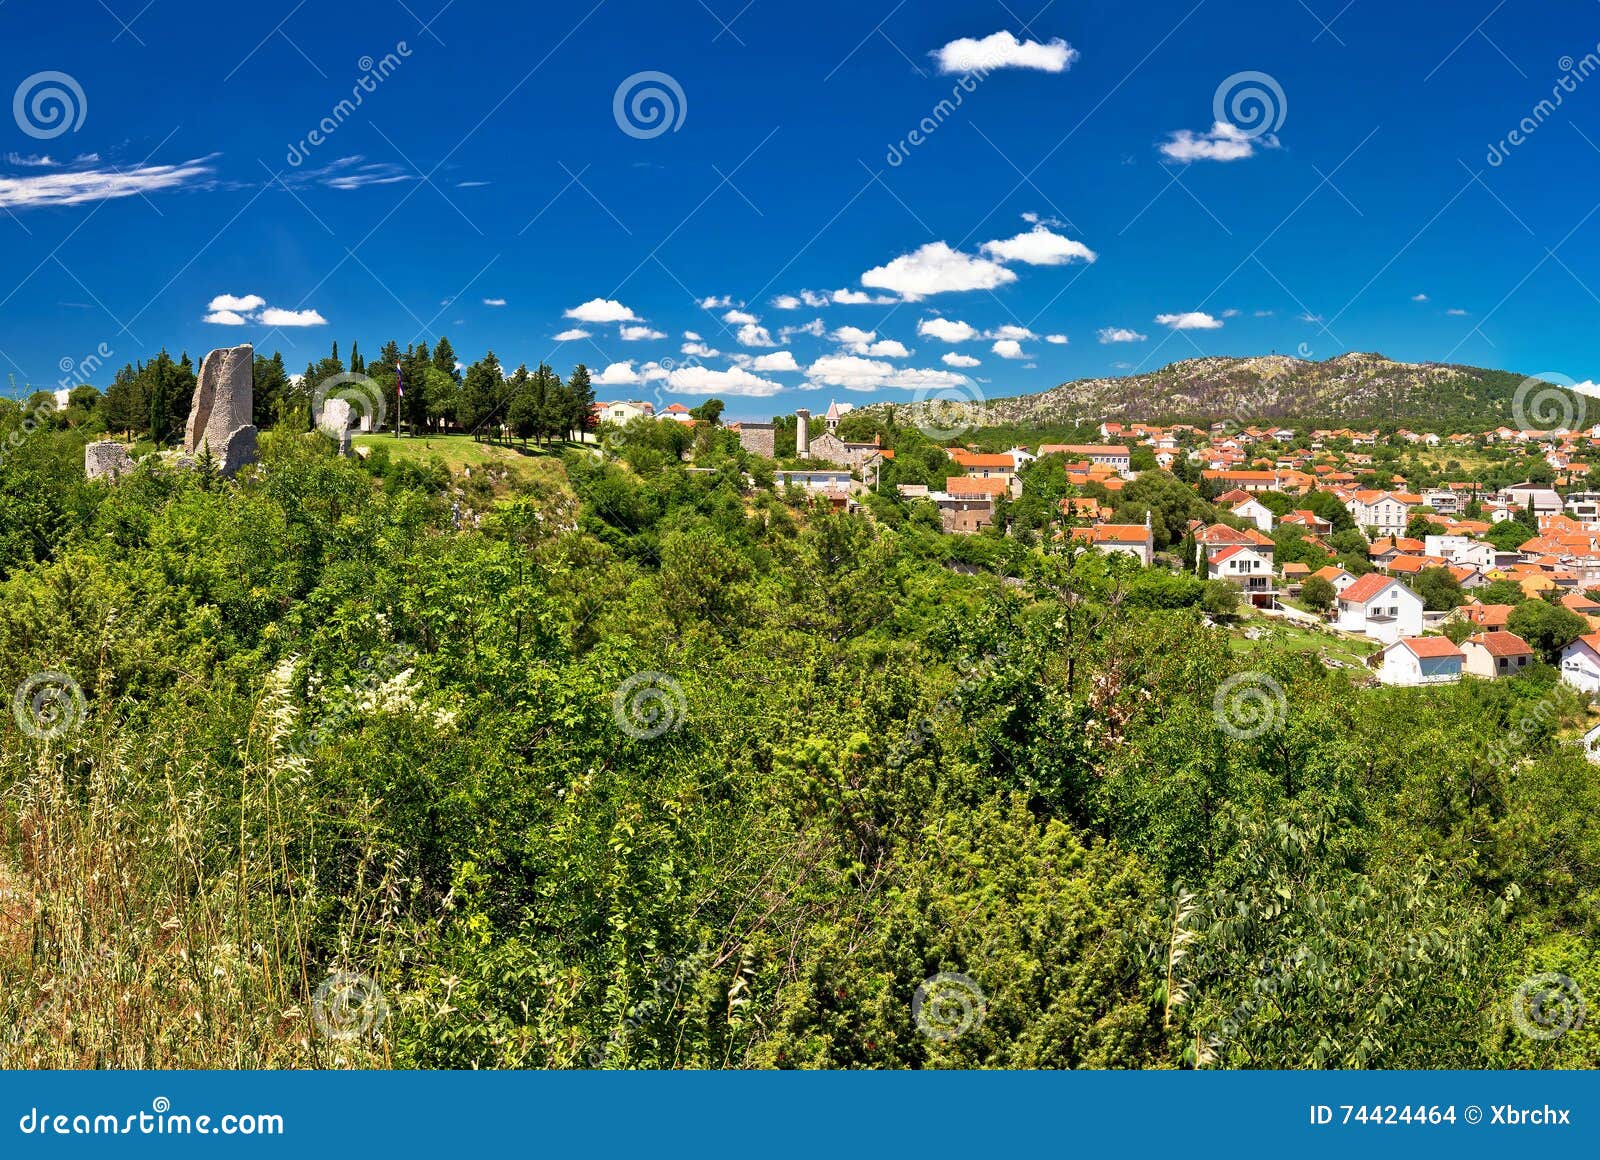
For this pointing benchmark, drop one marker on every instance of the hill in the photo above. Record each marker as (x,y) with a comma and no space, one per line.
(1352,389)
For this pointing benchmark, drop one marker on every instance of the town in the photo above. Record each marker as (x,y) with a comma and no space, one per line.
(1429,579)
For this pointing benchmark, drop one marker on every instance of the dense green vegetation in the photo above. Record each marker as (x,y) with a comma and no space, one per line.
(641,763)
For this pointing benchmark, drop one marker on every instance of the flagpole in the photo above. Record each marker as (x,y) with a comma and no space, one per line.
(399,397)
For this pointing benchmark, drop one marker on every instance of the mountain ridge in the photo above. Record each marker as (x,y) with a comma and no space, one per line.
(1355,388)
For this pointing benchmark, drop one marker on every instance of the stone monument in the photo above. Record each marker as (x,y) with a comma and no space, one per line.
(219,417)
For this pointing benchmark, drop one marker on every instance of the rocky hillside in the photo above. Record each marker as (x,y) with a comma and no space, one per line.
(1352,389)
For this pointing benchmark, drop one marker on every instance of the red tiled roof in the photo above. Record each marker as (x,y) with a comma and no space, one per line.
(1501,644)
(1431,646)
(1367,587)
(1115,534)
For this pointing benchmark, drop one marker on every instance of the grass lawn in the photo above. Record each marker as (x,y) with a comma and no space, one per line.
(1282,636)
(462,451)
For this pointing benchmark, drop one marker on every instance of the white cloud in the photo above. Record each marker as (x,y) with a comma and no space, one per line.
(954,359)
(1190,320)
(1003,50)
(936,269)
(1230,313)
(639,334)
(1307,316)
(353,172)
(733,381)
(752,335)
(814,298)
(814,328)
(652,371)
(1224,142)
(38,161)
(572,335)
(888,348)
(226,318)
(494,301)
(739,318)
(860,298)
(715,303)
(601,310)
(100,184)
(1008,348)
(1122,333)
(1014,332)
(1056,339)
(1265,313)
(1039,247)
(272,316)
(1456,312)
(244,303)
(854,373)
(946,330)
(691,335)
(698,350)
(779,361)
(1419,298)
(618,374)
(853,336)
(786,302)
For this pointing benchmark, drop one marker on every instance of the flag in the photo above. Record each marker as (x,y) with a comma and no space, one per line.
(399,382)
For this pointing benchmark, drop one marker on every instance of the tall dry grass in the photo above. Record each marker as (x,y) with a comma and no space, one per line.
(159,909)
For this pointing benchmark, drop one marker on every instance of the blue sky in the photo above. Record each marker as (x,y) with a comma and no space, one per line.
(486,189)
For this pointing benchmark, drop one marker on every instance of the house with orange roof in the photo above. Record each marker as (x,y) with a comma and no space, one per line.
(1419,660)
(979,486)
(1386,511)
(1379,607)
(1135,540)
(1249,568)
(1495,654)
(1486,615)
(1335,575)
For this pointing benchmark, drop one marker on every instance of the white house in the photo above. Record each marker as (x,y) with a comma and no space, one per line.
(1379,607)
(1580,663)
(1384,510)
(1249,569)
(623,410)
(1419,660)
(1254,511)
(1335,575)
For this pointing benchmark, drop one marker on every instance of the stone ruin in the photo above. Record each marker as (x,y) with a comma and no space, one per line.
(107,459)
(219,417)
(337,418)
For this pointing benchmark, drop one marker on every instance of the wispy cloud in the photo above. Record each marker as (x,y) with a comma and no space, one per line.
(101,184)
(353,172)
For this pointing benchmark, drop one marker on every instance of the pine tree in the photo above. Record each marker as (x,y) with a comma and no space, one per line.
(581,394)
(444,358)
(481,394)
(523,398)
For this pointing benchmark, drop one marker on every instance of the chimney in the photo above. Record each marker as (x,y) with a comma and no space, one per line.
(802,436)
